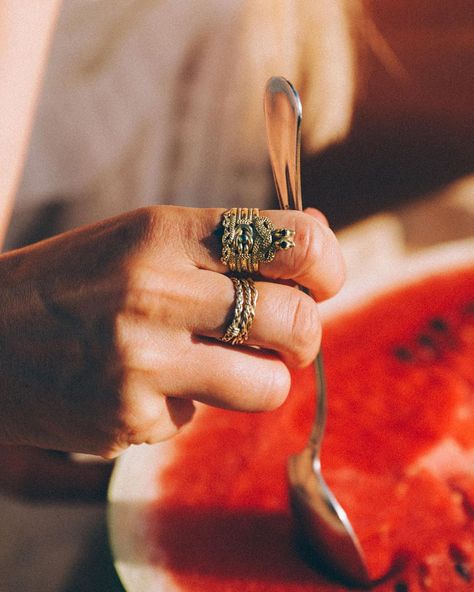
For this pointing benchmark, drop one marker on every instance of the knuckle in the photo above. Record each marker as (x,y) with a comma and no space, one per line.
(144,223)
(152,294)
(125,356)
(132,351)
(122,340)
(138,415)
(127,235)
(141,287)
(305,329)
(156,225)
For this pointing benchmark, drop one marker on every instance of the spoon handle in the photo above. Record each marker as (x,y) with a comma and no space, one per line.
(283,115)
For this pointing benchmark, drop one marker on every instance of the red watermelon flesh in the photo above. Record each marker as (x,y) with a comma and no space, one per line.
(398,454)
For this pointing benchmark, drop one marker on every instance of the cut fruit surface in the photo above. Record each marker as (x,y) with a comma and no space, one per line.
(398,454)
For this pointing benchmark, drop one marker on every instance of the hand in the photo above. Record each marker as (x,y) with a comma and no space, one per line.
(109,332)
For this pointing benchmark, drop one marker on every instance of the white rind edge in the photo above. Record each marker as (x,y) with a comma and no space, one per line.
(401,270)
(133,487)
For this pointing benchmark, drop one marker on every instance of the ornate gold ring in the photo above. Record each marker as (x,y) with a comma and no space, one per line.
(249,239)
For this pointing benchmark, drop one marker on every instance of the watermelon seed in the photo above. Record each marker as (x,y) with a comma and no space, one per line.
(463,570)
(439,324)
(467,505)
(401,587)
(403,354)
(446,339)
(461,564)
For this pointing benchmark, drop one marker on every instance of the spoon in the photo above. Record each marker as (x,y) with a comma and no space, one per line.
(325,529)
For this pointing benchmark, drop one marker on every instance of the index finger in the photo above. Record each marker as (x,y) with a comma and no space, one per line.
(314,262)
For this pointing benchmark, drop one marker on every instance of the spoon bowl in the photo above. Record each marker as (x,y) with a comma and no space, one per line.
(324,528)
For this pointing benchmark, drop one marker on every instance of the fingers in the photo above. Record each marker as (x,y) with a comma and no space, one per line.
(237,378)
(155,405)
(173,414)
(148,415)
(315,262)
(179,303)
(170,360)
(286,321)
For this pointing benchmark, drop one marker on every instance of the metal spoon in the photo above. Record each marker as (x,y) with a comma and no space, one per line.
(325,528)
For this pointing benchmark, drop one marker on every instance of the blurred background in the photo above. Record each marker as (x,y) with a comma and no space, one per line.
(149,101)
(413,127)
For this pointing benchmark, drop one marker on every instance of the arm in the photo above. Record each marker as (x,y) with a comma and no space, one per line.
(25,32)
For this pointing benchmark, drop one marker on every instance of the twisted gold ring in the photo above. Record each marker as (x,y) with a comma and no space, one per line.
(244,311)
(250,239)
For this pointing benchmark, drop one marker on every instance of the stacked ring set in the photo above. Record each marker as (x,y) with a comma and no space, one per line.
(248,239)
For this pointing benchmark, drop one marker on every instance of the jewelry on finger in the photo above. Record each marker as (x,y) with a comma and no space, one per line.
(244,311)
(248,312)
(233,329)
(249,239)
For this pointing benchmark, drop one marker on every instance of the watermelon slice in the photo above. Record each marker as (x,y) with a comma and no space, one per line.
(399,455)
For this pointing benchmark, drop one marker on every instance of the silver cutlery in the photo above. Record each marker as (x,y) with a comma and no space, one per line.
(322,523)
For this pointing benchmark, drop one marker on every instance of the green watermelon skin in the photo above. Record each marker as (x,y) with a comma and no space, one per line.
(398,454)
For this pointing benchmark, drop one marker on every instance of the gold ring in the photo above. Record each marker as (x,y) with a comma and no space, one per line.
(244,311)
(249,239)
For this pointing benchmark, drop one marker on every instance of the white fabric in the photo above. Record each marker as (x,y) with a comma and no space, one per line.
(150,101)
